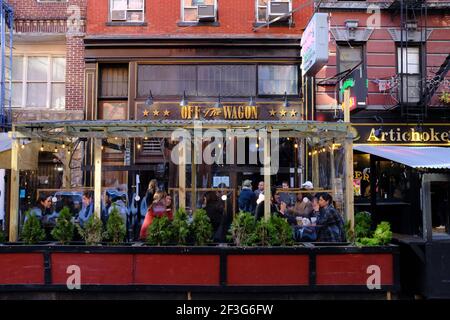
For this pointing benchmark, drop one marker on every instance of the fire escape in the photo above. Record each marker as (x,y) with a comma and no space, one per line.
(414,89)
(6,43)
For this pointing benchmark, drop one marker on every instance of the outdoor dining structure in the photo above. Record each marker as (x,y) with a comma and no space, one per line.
(324,153)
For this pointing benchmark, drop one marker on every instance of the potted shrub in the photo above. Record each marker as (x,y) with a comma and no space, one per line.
(281,232)
(32,231)
(92,233)
(115,227)
(160,231)
(180,227)
(261,235)
(242,229)
(382,236)
(64,229)
(201,228)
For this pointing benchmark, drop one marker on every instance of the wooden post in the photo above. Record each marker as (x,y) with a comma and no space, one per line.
(315,169)
(182,178)
(97,176)
(194,174)
(349,199)
(67,174)
(267,191)
(332,169)
(14,196)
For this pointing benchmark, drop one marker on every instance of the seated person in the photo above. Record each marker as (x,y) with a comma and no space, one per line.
(303,206)
(42,207)
(329,225)
(87,209)
(157,209)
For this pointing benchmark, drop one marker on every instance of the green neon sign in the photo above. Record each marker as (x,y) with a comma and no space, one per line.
(349,83)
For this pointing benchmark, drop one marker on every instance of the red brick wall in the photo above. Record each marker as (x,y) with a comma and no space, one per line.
(47,17)
(32,9)
(380,54)
(235,17)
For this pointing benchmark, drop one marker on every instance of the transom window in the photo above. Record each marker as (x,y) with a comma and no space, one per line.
(215,80)
(127,10)
(39,82)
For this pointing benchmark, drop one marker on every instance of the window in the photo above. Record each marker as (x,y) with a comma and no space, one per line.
(213,80)
(114,82)
(127,10)
(267,10)
(39,82)
(408,67)
(349,57)
(276,80)
(199,10)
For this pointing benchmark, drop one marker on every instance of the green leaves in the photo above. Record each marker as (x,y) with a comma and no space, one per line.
(32,231)
(245,231)
(180,227)
(160,231)
(201,228)
(115,227)
(2,236)
(381,236)
(242,229)
(64,229)
(92,233)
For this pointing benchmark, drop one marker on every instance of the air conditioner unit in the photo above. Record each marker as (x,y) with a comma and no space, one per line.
(206,12)
(119,15)
(278,9)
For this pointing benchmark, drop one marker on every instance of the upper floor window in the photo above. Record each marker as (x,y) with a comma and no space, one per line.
(408,67)
(199,10)
(127,10)
(267,10)
(349,57)
(39,82)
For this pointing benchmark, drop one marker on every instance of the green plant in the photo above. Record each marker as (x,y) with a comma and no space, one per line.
(160,231)
(445,97)
(115,227)
(32,231)
(201,227)
(381,236)
(363,222)
(242,229)
(92,233)
(180,227)
(262,233)
(281,232)
(64,229)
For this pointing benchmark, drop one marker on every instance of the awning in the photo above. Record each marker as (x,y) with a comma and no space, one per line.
(28,156)
(414,157)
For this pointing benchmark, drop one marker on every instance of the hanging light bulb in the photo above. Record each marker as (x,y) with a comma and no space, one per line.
(69,151)
(63,145)
(145,138)
(56,149)
(309,153)
(42,148)
(139,146)
(184,102)
(23,145)
(102,147)
(296,145)
(323,149)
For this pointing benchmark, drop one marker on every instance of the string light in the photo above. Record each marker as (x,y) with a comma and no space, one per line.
(69,151)
(323,150)
(257,145)
(296,145)
(63,145)
(42,148)
(309,153)
(146,138)
(56,149)
(23,145)
(139,146)
(219,145)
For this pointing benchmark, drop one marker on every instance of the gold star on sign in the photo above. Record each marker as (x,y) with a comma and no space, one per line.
(272,113)
(166,113)
(156,112)
(283,112)
(294,113)
(146,113)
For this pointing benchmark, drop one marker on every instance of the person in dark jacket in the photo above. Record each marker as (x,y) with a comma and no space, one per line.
(215,211)
(330,225)
(247,198)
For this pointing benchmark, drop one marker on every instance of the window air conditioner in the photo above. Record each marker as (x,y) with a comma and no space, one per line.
(279,8)
(119,15)
(206,12)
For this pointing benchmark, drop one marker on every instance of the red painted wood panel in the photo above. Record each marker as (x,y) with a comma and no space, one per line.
(96,268)
(173,269)
(268,270)
(21,268)
(351,269)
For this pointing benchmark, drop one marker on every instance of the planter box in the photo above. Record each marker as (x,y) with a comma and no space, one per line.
(175,268)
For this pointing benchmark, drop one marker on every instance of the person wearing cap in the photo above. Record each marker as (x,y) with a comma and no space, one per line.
(247,198)
(308,185)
